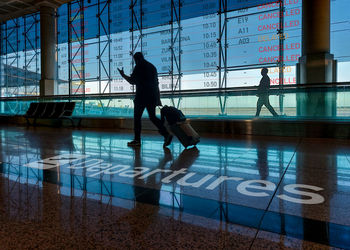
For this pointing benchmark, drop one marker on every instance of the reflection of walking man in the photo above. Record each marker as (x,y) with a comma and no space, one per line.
(145,77)
(263,93)
(262,161)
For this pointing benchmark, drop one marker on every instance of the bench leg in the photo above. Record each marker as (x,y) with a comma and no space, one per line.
(73,125)
(71,120)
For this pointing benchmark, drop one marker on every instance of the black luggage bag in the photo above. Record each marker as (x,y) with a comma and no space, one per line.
(180,126)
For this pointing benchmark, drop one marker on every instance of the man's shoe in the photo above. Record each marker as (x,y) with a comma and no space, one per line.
(134,143)
(167,154)
(167,140)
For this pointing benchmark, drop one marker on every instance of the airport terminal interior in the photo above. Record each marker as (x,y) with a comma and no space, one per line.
(264,85)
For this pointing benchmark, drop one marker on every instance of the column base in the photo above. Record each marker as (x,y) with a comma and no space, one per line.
(317,68)
(47,87)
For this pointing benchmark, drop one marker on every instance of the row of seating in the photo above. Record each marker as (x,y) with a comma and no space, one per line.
(50,110)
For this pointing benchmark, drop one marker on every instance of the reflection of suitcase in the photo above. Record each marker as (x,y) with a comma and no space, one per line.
(185,133)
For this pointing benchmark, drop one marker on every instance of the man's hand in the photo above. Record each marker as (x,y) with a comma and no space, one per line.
(127,78)
(121,71)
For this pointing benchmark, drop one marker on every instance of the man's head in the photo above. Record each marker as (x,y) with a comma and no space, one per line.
(138,57)
(264,71)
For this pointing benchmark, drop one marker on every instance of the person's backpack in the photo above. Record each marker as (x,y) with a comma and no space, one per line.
(172,115)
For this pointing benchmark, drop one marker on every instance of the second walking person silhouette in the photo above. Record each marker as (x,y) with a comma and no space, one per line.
(263,94)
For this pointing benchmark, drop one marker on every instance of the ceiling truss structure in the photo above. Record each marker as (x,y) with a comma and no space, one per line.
(10,9)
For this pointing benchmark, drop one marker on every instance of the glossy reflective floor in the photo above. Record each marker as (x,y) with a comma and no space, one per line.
(63,188)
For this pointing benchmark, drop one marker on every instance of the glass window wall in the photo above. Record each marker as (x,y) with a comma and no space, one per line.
(20,56)
(209,45)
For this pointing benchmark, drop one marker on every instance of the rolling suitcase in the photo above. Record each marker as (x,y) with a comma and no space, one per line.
(180,126)
(185,133)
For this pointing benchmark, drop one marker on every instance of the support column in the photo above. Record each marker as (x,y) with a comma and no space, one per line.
(316,65)
(48,50)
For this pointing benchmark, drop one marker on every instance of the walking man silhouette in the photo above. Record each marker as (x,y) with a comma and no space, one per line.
(263,94)
(145,78)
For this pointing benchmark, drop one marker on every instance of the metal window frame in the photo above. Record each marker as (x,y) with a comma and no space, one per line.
(104,48)
(16,53)
(281,64)
(223,68)
(175,40)
(137,35)
(81,51)
(35,48)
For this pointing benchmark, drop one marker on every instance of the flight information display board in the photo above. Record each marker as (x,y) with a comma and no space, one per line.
(252,39)
(252,43)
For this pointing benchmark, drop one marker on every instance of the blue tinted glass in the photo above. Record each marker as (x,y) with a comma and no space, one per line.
(156,12)
(120,15)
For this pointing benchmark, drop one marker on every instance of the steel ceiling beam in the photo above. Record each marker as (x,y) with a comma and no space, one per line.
(10,9)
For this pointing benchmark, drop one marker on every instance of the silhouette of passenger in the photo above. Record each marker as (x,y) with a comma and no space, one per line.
(262,160)
(146,191)
(185,159)
(145,78)
(263,93)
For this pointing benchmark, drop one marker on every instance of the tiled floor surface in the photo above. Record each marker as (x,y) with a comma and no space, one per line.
(82,189)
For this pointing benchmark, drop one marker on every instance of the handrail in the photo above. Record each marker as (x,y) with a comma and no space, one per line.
(275,89)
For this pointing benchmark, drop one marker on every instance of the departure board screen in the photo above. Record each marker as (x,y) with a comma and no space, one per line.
(189,47)
(252,41)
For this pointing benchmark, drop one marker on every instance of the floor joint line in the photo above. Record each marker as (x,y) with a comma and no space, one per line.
(273,195)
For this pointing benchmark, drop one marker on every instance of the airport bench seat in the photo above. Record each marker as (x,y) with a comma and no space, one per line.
(50,110)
